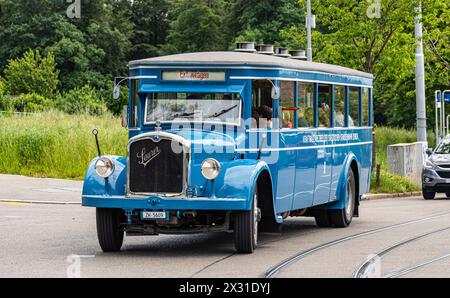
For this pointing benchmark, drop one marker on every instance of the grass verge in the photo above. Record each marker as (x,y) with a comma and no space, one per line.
(56,145)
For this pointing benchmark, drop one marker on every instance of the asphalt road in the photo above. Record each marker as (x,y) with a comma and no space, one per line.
(59,240)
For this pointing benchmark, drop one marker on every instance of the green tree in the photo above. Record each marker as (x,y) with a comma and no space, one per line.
(261,20)
(32,74)
(197,27)
(150,18)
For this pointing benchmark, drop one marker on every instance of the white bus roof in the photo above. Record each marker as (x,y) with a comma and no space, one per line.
(250,59)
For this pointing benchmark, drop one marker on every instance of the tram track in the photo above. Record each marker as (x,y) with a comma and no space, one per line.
(275,270)
(415,267)
(363,270)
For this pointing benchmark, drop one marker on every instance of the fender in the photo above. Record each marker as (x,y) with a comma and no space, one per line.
(113,185)
(341,192)
(238,179)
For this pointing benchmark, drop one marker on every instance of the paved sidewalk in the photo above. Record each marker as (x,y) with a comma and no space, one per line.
(23,188)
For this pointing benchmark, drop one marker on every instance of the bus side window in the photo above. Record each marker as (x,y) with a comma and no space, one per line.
(339,106)
(365,107)
(134,103)
(305,104)
(287,104)
(353,120)
(262,104)
(324,105)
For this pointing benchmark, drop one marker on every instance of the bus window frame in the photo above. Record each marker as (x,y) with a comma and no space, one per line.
(295,105)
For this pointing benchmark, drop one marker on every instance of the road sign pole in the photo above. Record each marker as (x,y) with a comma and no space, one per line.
(445,129)
(309,53)
(420,80)
(437,103)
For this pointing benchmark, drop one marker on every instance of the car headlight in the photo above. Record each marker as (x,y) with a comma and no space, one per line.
(104,167)
(429,164)
(210,168)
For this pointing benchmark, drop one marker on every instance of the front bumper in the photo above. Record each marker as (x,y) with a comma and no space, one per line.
(437,183)
(165,204)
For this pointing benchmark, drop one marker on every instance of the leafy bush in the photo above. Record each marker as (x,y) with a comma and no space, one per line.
(30,103)
(32,74)
(81,100)
(2,86)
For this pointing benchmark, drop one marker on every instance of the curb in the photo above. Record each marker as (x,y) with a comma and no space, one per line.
(39,202)
(381,196)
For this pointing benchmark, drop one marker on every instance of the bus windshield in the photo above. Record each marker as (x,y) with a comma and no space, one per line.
(221,108)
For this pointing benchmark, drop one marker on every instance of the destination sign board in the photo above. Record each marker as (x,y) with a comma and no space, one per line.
(193,76)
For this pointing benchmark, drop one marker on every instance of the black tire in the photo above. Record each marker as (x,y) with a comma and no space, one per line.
(447,194)
(322,218)
(428,195)
(246,227)
(109,234)
(342,218)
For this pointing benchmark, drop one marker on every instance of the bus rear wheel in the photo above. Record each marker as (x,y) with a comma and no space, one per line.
(322,217)
(342,218)
(109,234)
(246,227)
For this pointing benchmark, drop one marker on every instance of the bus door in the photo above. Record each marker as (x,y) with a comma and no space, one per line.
(325,151)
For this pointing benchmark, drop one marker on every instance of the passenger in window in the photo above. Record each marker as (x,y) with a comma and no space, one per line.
(302,120)
(255,118)
(266,116)
(324,115)
(339,119)
(288,121)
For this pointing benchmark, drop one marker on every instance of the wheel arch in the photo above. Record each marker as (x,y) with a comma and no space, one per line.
(266,196)
(351,164)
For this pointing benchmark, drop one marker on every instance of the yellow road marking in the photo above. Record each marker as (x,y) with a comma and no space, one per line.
(15,203)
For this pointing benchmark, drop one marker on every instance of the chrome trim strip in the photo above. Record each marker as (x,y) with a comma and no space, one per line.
(175,198)
(298,80)
(305,129)
(186,162)
(303,147)
(142,77)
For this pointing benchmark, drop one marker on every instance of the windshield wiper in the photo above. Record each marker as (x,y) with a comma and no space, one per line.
(223,112)
(184,115)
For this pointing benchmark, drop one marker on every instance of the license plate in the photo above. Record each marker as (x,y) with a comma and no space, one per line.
(447,181)
(154,215)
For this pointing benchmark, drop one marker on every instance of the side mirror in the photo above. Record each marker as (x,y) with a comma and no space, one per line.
(276,93)
(429,151)
(116,93)
(125,117)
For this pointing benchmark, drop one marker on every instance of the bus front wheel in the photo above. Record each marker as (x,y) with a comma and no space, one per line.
(246,227)
(342,218)
(109,234)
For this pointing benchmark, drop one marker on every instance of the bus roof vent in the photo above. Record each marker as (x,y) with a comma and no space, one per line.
(282,52)
(245,47)
(265,49)
(299,55)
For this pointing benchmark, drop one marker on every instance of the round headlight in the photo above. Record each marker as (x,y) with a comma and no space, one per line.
(104,167)
(210,168)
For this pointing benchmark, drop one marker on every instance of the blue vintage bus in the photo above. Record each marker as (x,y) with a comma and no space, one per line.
(236,142)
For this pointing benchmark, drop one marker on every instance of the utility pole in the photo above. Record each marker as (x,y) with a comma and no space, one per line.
(309,25)
(420,80)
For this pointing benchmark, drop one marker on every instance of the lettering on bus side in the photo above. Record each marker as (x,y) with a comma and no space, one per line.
(331,138)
